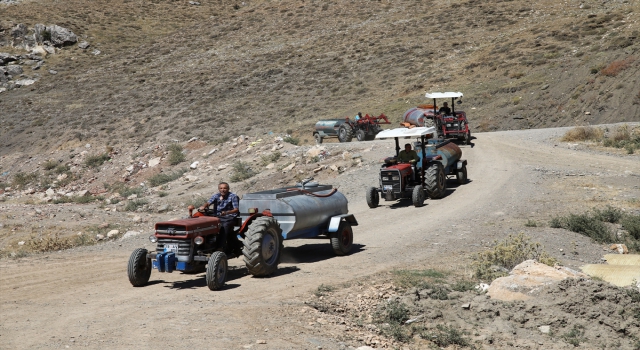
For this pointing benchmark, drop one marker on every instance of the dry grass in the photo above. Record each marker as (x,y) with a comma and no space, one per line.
(614,68)
(583,133)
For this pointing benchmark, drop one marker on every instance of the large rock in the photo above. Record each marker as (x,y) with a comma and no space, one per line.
(5,58)
(61,36)
(13,70)
(527,280)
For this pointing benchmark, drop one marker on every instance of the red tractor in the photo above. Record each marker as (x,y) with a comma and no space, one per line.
(449,123)
(364,128)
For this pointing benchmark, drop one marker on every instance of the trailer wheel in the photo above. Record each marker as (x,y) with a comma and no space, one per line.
(417,197)
(318,138)
(373,198)
(216,270)
(342,240)
(262,246)
(435,180)
(345,134)
(139,268)
(361,135)
(461,175)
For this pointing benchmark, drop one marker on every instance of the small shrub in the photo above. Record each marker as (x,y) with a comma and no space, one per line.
(61,169)
(444,336)
(162,194)
(463,286)
(589,226)
(615,67)
(271,158)
(163,178)
(323,290)
(135,204)
(575,336)
(21,179)
(531,223)
(291,140)
(631,223)
(50,164)
(496,262)
(48,243)
(396,312)
(175,154)
(416,278)
(609,214)
(583,133)
(123,190)
(96,161)
(241,171)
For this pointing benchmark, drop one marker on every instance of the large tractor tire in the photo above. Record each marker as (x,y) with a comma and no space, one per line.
(435,180)
(217,270)
(361,135)
(373,197)
(318,139)
(139,268)
(342,240)
(263,246)
(345,133)
(461,175)
(417,197)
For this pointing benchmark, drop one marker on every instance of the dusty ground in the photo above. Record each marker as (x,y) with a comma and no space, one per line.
(82,298)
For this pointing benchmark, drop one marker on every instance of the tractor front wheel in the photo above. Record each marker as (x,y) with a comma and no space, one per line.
(345,133)
(417,197)
(216,270)
(361,135)
(461,175)
(435,180)
(263,246)
(342,240)
(139,268)
(373,198)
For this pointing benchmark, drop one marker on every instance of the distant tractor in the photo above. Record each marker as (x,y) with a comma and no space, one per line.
(364,129)
(426,178)
(452,125)
(266,219)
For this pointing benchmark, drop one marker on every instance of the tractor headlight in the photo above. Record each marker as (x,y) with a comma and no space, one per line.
(153,238)
(198,240)
(395,178)
(385,178)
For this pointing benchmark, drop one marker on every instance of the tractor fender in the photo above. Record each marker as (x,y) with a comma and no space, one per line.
(335,221)
(461,163)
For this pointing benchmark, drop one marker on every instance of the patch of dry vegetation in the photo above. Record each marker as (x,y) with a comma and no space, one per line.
(614,68)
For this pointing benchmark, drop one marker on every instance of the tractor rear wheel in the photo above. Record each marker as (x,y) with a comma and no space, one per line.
(417,197)
(373,198)
(345,133)
(139,269)
(361,135)
(318,138)
(263,246)
(461,175)
(435,180)
(216,270)
(342,240)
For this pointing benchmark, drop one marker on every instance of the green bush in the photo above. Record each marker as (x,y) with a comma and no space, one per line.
(271,158)
(323,290)
(589,226)
(21,179)
(241,171)
(444,336)
(631,223)
(50,164)
(416,278)
(505,255)
(162,178)
(135,204)
(291,140)
(96,161)
(531,223)
(609,214)
(175,154)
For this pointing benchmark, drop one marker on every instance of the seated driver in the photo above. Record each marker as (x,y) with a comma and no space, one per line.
(408,155)
(445,110)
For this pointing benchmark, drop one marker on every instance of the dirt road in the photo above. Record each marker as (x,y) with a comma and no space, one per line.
(82,298)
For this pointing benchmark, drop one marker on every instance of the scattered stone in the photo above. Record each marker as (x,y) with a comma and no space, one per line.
(83,193)
(194,165)
(21,243)
(289,167)
(83,45)
(334,168)
(61,36)
(112,233)
(129,234)
(466,306)
(24,82)
(191,178)
(587,113)
(53,72)
(99,237)
(95,52)
(50,192)
(154,162)
(271,165)
(195,3)
(212,151)
(13,70)
(619,248)
(222,167)
(544,87)
(261,341)
(104,225)
(544,329)
(136,218)
(317,170)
